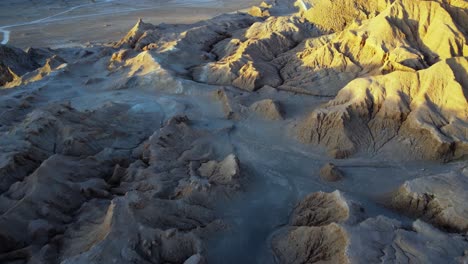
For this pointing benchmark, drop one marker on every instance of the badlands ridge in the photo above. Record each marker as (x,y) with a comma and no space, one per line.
(309,131)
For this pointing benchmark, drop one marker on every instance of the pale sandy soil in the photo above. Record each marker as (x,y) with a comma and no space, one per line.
(75,23)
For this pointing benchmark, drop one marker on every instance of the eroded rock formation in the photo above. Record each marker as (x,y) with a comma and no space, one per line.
(314,235)
(329,228)
(420,115)
(177,132)
(438,199)
(91,198)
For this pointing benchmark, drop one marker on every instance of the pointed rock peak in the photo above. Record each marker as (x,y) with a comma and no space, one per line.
(6,75)
(54,62)
(134,34)
(140,25)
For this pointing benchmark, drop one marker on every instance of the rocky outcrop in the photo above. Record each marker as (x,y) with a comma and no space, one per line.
(387,42)
(292,54)
(335,16)
(310,244)
(331,173)
(388,240)
(224,172)
(229,106)
(14,62)
(17,60)
(295,53)
(37,205)
(236,106)
(18,67)
(420,115)
(6,75)
(52,64)
(140,31)
(329,228)
(143,71)
(260,11)
(149,203)
(60,129)
(320,209)
(176,45)
(267,109)
(245,62)
(404,105)
(314,235)
(438,199)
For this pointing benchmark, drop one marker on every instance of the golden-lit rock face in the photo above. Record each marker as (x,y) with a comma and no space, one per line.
(425,113)
(295,53)
(247,62)
(391,41)
(398,68)
(136,35)
(336,15)
(412,92)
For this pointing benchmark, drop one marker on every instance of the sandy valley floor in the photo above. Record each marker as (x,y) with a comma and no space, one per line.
(79,22)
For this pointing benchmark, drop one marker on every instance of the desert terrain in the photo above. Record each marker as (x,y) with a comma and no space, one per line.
(83,22)
(308,131)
